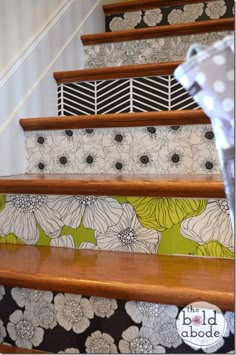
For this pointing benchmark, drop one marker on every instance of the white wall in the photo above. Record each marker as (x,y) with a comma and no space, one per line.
(28,89)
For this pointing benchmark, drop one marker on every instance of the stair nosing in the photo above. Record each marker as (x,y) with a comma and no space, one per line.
(121,7)
(164,279)
(161,31)
(139,119)
(182,186)
(121,72)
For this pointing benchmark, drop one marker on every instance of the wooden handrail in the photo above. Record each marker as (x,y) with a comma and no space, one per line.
(129,276)
(162,118)
(184,186)
(126,71)
(159,31)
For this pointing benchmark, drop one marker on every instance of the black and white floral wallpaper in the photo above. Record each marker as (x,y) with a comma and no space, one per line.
(169,15)
(71,323)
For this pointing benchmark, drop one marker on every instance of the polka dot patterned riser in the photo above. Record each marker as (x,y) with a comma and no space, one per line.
(141,150)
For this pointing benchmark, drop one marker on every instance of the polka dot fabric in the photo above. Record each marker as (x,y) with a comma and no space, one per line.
(208,75)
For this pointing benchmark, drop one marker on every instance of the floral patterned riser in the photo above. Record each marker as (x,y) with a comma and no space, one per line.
(156,50)
(132,224)
(69,323)
(145,150)
(213,10)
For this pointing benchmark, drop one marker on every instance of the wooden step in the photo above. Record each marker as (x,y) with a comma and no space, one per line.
(138,5)
(160,31)
(8,349)
(162,118)
(151,278)
(110,73)
(184,186)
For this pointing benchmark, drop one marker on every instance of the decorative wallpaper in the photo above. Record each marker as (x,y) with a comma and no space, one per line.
(156,93)
(212,10)
(132,224)
(139,150)
(155,50)
(71,323)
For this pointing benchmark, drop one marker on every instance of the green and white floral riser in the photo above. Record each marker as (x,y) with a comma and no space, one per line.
(131,224)
(138,150)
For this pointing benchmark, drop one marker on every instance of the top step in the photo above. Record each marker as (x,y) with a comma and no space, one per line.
(159,32)
(151,13)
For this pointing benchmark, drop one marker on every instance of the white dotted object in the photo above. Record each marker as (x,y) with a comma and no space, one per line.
(219,86)
(201,78)
(228,105)
(219,59)
(208,101)
(230,75)
(185,81)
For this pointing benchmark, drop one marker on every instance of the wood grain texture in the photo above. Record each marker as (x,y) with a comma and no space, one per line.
(8,349)
(162,118)
(159,31)
(184,186)
(121,7)
(126,71)
(129,276)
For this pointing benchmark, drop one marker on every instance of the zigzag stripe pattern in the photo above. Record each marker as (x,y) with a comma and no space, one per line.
(146,94)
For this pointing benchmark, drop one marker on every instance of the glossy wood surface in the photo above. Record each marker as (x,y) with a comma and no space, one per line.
(121,7)
(153,278)
(159,31)
(162,118)
(126,71)
(8,349)
(202,186)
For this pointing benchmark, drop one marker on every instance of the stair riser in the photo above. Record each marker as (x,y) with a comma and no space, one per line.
(140,150)
(145,94)
(169,15)
(55,332)
(157,225)
(155,50)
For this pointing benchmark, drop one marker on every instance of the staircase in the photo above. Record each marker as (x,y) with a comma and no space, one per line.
(121,219)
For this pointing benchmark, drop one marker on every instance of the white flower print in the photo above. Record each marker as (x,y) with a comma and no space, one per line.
(2,292)
(140,341)
(149,137)
(103,307)
(144,160)
(206,161)
(69,351)
(73,312)
(148,313)
(177,132)
(63,161)
(97,212)
(40,141)
(39,163)
(88,245)
(193,11)
(119,24)
(216,9)
(118,138)
(129,235)
(45,314)
(229,317)
(100,343)
(176,157)
(166,332)
(2,331)
(203,135)
(117,162)
(66,241)
(213,224)
(29,298)
(22,213)
(133,18)
(152,17)
(175,17)
(91,159)
(89,136)
(23,329)
(66,139)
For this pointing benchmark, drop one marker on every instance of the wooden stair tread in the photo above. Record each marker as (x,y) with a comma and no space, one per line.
(159,31)
(9,349)
(203,186)
(162,118)
(125,71)
(121,7)
(152,278)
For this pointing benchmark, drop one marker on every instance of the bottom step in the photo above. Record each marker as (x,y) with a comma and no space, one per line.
(9,349)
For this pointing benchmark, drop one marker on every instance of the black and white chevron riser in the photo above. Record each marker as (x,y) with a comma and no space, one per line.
(157,93)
